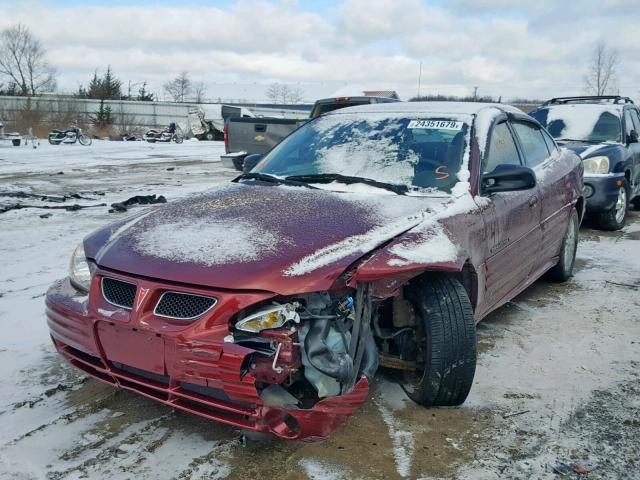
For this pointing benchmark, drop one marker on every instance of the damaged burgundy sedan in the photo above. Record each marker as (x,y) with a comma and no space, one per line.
(372,237)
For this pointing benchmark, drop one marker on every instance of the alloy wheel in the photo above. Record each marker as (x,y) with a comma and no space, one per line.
(621,205)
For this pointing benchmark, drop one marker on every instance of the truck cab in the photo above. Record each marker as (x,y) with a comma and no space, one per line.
(257,136)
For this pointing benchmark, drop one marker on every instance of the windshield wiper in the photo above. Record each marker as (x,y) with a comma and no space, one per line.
(348,180)
(265,177)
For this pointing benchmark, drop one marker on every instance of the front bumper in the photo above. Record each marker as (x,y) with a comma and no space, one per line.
(234,160)
(190,368)
(604,191)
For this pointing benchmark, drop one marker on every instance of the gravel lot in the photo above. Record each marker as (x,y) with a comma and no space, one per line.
(557,379)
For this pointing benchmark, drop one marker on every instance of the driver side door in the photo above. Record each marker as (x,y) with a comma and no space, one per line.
(512,223)
(632,122)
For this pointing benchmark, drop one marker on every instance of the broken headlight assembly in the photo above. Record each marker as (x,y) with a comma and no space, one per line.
(80,270)
(314,341)
(274,316)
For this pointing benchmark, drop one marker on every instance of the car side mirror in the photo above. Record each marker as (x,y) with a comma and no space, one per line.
(508,178)
(251,161)
(632,137)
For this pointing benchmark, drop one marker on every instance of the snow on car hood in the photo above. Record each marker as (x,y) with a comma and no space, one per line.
(586,150)
(251,237)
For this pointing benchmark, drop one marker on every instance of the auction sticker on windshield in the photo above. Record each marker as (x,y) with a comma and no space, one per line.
(438,124)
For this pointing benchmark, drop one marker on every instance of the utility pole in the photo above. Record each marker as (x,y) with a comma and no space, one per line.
(419,79)
(132,85)
(475,93)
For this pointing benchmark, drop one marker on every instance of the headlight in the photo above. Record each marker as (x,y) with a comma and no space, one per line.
(79,270)
(271,317)
(596,165)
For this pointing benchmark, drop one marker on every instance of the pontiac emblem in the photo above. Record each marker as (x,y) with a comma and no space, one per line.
(142,294)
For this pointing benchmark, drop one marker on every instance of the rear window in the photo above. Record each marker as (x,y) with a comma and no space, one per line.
(330,107)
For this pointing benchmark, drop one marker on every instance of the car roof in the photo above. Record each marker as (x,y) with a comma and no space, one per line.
(455,108)
(612,99)
(357,97)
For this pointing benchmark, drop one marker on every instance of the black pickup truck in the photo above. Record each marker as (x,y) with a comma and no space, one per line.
(249,136)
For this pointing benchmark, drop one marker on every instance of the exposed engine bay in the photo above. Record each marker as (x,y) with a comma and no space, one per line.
(313,346)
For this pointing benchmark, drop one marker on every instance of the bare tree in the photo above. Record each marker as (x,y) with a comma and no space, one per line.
(199,91)
(180,87)
(274,92)
(23,61)
(285,93)
(601,74)
(295,95)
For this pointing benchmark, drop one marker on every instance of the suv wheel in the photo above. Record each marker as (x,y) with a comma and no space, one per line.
(564,268)
(613,219)
(444,342)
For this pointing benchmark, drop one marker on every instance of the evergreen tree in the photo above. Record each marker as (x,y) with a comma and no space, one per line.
(107,87)
(95,87)
(111,85)
(11,89)
(102,118)
(144,95)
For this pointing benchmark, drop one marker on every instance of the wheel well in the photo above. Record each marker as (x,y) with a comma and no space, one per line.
(627,175)
(467,277)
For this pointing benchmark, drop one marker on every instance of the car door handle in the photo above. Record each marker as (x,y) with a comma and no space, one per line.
(533,201)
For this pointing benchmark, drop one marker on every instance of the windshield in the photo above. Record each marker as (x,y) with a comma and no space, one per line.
(415,152)
(588,123)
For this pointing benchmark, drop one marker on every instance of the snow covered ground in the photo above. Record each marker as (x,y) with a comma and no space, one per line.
(557,380)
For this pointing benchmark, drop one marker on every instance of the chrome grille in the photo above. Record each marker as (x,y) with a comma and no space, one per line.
(118,293)
(183,306)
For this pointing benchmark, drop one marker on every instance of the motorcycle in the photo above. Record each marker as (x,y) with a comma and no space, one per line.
(168,134)
(14,138)
(72,135)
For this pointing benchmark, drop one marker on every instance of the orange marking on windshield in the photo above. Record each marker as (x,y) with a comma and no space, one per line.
(443,175)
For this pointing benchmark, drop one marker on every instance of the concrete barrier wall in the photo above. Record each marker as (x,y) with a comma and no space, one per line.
(125,113)
(140,114)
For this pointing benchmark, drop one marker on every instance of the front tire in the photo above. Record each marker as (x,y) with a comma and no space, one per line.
(445,342)
(613,219)
(84,140)
(563,270)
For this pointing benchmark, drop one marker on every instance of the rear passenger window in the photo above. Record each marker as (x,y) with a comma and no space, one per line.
(636,121)
(551,146)
(533,144)
(502,149)
(628,122)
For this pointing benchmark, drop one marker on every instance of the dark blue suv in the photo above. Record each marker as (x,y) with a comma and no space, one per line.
(604,131)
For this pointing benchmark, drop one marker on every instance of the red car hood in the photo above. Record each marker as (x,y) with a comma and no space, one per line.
(251,237)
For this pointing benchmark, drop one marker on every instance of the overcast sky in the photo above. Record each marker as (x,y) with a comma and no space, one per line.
(512,48)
